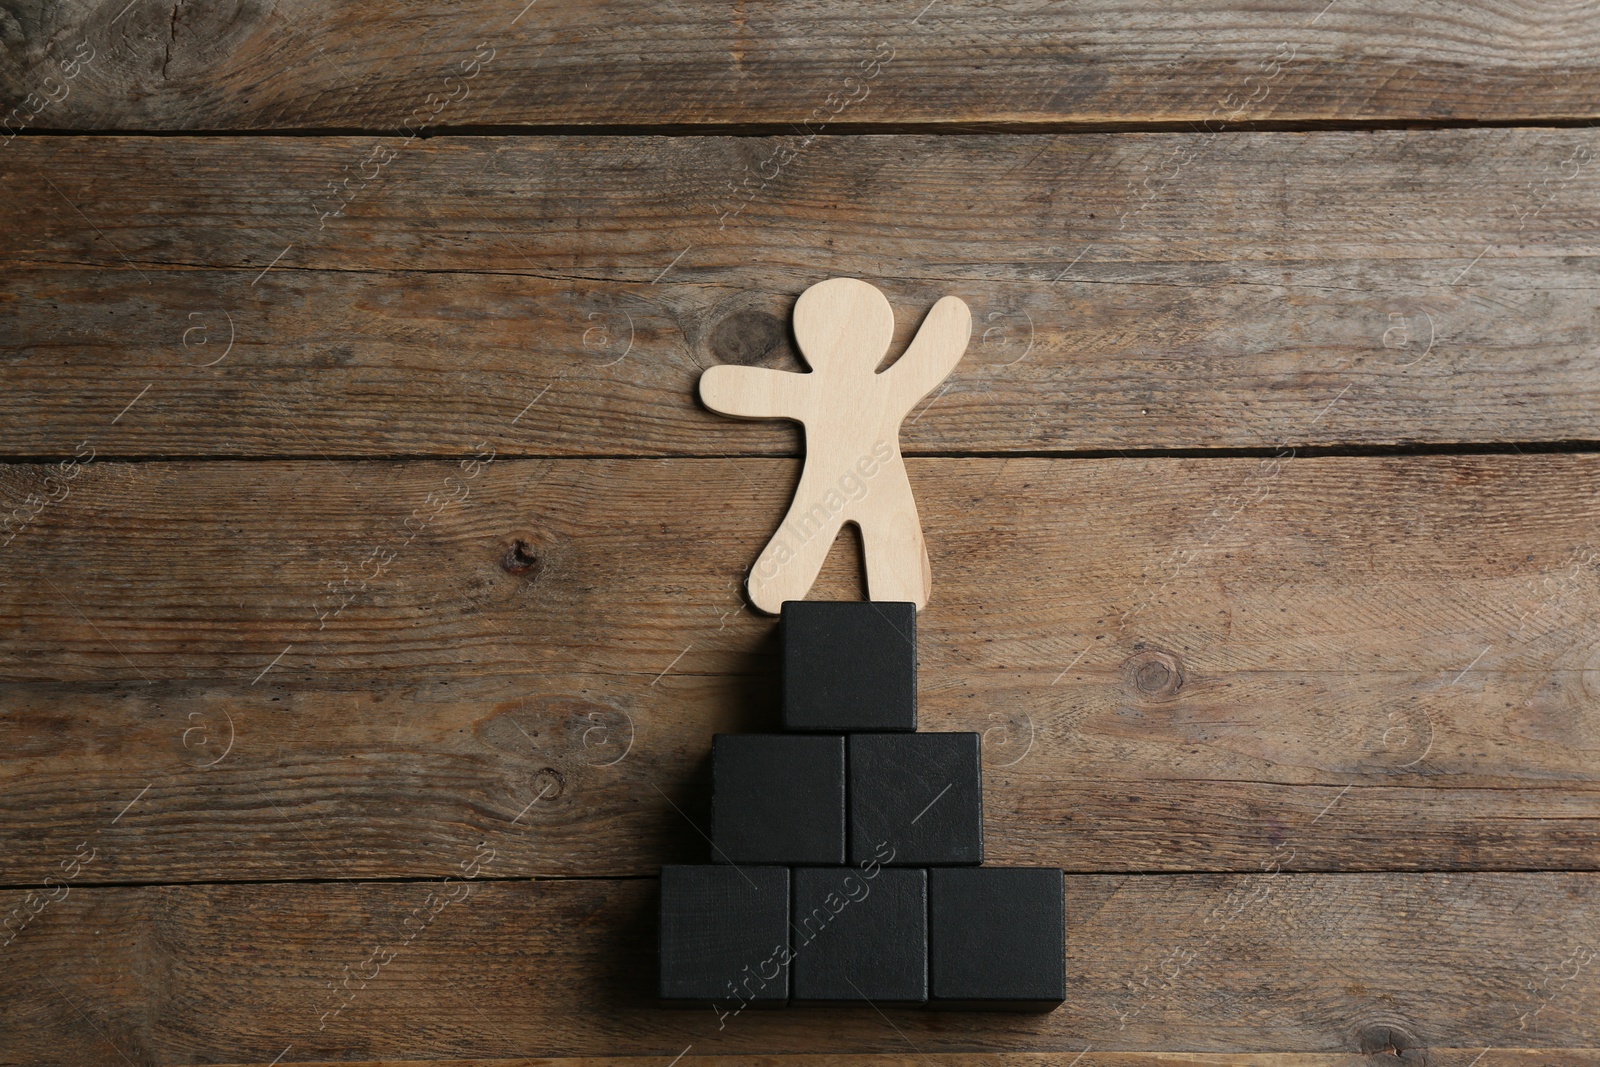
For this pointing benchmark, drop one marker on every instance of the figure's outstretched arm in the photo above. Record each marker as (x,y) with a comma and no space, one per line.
(754,392)
(934,352)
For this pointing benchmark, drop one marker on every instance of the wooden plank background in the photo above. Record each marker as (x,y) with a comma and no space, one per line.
(1182,687)
(361,529)
(1130,291)
(1319,963)
(371,64)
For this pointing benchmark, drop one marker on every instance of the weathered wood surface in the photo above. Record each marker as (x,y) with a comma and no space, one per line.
(403,783)
(1438,1057)
(1260,963)
(284,679)
(377,65)
(561,295)
(204,571)
(1325,663)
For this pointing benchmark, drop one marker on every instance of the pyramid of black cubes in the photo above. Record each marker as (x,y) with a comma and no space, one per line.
(846,850)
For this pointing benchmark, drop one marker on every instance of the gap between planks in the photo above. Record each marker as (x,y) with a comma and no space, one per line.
(1341,451)
(401,880)
(846,129)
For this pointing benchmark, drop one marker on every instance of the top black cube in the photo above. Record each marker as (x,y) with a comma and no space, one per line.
(849,665)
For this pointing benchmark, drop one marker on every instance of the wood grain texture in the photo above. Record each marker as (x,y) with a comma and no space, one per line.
(453,590)
(1316,663)
(560,295)
(376,65)
(1210,964)
(1440,1057)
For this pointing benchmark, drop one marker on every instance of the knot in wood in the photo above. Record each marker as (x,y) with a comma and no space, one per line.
(1390,1039)
(522,559)
(746,337)
(548,784)
(1153,674)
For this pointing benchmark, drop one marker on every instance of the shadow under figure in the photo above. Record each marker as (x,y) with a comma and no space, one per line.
(851,414)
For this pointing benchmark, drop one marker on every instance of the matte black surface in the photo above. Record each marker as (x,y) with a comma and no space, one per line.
(860,935)
(921,794)
(997,938)
(777,798)
(725,935)
(849,665)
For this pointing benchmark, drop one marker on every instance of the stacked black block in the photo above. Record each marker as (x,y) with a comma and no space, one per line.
(849,666)
(922,794)
(845,851)
(725,934)
(777,798)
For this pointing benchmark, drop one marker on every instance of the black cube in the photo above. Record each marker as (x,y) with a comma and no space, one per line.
(860,935)
(997,938)
(777,798)
(725,936)
(849,665)
(921,795)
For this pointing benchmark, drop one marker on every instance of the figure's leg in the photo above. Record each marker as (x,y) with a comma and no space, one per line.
(792,559)
(891,539)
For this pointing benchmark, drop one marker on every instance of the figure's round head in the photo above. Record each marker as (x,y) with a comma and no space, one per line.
(843,324)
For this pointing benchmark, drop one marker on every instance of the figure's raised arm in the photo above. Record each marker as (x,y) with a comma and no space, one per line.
(934,352)
(753,392)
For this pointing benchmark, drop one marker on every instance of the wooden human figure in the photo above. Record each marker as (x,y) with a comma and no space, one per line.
(851,413)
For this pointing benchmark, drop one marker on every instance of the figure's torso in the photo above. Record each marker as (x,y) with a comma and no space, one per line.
(851,416)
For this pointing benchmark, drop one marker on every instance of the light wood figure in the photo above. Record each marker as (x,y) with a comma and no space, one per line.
(851,414)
